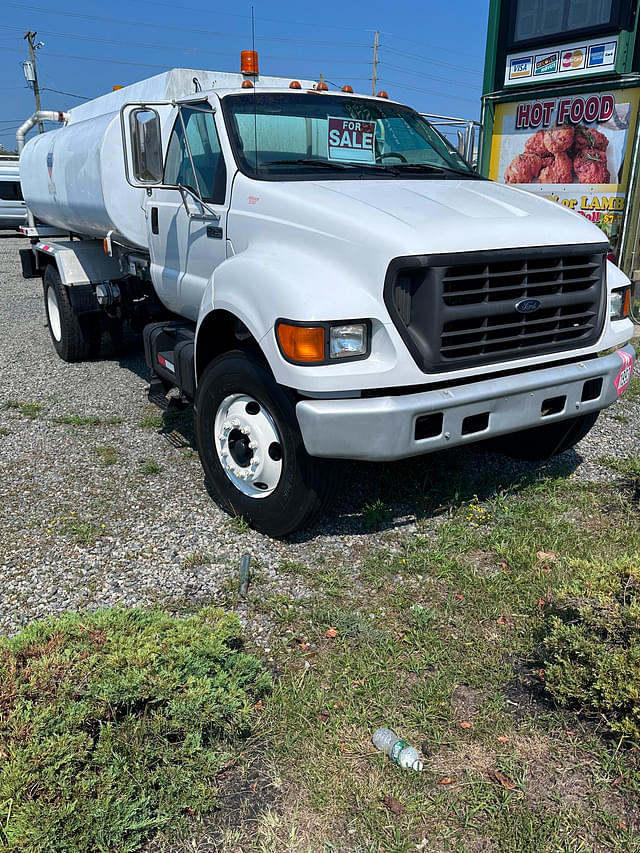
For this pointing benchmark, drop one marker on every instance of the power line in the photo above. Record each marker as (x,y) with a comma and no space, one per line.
(462,68)
(190,50)
(247,18)
(429,91)
(47,53)
(421,43)
(146,24)
(413,73)
(58,92)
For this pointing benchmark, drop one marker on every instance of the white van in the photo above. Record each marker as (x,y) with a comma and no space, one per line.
(13,212)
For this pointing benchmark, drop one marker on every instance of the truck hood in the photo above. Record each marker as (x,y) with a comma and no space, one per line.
(409,217)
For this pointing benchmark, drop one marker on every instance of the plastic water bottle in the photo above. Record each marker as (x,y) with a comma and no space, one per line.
(398,750)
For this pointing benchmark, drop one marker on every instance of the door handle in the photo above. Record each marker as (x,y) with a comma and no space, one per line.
(154,220)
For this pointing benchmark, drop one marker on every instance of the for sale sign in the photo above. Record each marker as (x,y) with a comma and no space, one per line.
(351,139)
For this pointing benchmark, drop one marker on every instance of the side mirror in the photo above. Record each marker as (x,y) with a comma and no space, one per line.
(146,146)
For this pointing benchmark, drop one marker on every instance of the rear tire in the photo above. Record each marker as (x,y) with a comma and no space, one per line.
(543,442)
(252,450)
(70,334)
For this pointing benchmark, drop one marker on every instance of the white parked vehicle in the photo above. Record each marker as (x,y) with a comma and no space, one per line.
(323,277)
(13,211)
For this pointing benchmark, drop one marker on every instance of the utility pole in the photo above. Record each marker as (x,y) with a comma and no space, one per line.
(374,73)
(30,36)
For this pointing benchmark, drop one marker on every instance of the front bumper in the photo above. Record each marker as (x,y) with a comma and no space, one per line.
(387,428)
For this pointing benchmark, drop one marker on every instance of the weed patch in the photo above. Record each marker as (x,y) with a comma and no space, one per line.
(151,421)
(84,530)
(87,420)
(107,454)
(150,467)
(25,410)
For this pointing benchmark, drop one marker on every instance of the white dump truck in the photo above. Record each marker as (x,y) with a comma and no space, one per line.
(323,277)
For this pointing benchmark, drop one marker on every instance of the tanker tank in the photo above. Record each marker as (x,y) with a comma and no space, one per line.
(73,178)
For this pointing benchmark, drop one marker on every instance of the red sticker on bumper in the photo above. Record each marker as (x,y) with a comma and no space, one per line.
(626,371)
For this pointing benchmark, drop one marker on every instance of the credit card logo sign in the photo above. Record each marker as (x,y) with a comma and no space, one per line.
(547,64)
(520,67)
(601,55)
(596,54)
(573,59)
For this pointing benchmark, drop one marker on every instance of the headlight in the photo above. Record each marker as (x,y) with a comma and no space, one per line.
(347,341)
(619,303)
(322,343)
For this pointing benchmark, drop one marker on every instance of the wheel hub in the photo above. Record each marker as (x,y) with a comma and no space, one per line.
(248,445)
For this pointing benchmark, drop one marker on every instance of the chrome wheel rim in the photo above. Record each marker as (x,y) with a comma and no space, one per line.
(248,445)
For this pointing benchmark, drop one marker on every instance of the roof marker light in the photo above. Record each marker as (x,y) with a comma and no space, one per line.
(348,89)
(247,84)
(295,85)
(382,94)
(322,87)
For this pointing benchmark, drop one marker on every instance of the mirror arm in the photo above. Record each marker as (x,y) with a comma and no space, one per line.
(210,214)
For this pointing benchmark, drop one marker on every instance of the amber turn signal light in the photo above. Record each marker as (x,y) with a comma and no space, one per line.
(302,343)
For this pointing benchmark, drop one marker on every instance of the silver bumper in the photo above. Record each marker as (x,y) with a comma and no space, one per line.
(386,428)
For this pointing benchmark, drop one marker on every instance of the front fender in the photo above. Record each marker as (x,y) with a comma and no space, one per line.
(258,286)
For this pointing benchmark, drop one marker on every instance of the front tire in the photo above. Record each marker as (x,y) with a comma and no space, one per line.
(252,450)
(543,442)
(71,336)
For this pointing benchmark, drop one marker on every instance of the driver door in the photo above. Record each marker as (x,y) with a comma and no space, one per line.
(187,215)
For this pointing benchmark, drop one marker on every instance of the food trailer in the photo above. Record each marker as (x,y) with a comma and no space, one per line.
(560,110)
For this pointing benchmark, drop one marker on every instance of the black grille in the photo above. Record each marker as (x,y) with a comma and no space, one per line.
(460,310)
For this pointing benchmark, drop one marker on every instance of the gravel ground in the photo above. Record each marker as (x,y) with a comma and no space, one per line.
(78,533)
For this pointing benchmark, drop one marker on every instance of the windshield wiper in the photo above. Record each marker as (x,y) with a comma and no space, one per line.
(430,167)
(330,164)
(307,161)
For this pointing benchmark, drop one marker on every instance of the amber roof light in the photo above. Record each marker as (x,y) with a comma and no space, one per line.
(249,63)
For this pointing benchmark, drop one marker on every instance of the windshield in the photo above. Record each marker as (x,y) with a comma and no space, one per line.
(290,136)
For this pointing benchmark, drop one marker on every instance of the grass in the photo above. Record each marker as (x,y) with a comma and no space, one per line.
(25,410)
(442,640)
(195,559)
(238,524)
(87,420)
(84,530)
(116,724)
(151,421)
(150,467)
(107,454)
(375,514)
(632,394)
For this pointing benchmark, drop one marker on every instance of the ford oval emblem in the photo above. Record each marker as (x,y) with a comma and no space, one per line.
(528,306)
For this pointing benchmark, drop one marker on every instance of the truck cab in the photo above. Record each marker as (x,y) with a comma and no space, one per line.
(323,277)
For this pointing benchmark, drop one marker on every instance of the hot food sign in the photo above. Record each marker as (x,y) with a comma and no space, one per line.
(573,150)
(586,109)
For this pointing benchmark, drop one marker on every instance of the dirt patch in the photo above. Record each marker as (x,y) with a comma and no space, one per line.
(455,764)
(483,563)
(246,795)
(525,695)
(466,701)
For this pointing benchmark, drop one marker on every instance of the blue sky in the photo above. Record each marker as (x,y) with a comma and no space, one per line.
(431,54)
